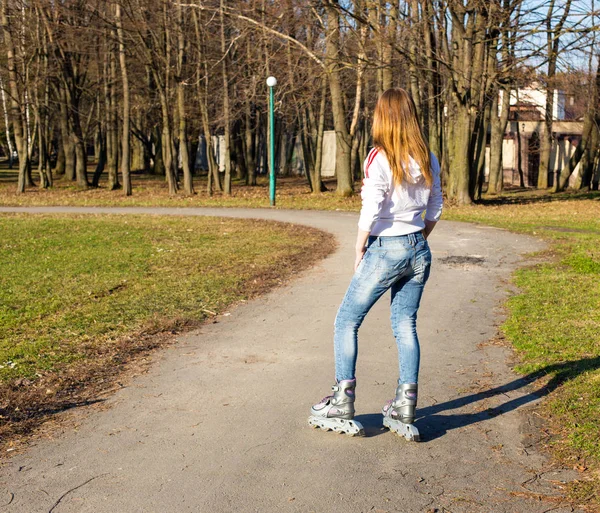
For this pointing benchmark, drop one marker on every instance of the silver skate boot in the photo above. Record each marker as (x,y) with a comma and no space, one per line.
(399,413)
(336,411)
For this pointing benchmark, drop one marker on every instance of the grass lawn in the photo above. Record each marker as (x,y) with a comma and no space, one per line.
(79,295)
(554,323)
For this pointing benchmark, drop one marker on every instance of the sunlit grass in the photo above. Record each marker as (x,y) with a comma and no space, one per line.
(69,283)
(152,191)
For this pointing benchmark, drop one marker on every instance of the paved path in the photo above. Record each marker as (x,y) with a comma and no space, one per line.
(219,422)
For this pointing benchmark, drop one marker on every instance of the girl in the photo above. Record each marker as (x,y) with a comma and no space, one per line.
(402,180)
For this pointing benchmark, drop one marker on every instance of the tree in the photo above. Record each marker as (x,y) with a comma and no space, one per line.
(17,94)
(125,151)
(553,35)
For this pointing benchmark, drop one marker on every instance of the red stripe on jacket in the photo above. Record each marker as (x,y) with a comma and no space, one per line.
(370,159)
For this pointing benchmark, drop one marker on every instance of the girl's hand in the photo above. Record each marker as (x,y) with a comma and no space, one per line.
(429,226)
(361,246)
(360,253)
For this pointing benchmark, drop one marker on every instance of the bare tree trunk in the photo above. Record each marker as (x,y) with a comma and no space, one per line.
(355,124)
(466,92)
(125,151)
(519,149)
(203,88)
(226,109)
(42,151)
(67,143)
(365,138)
(80,153)
(500,121)
(585,148)
(479,153)
(459,143)
(158,167)
(589,161)
(213,167)
(498,127)
(343,141)
(59,169)
(552,48)
(390,42)
(98,136)
(15,102)
(41,110)
(581,154)
(433,125)
(166,147)
(139,161)
(375,20)
(595,177)
(288,142)
(249,147)
(101,159)
(6,125)
(249,136)
(188,185)
(317,180)
(75,134)
(163,92)
(307,154)
(415,88)
(110,100)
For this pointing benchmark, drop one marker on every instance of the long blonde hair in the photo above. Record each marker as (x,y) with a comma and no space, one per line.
(397,132)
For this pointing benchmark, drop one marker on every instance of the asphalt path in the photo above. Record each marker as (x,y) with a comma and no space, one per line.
(219,422)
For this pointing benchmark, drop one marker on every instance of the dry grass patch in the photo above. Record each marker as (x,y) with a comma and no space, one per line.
(152,191)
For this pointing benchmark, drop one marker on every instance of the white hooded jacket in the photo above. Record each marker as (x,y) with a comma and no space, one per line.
(397,210)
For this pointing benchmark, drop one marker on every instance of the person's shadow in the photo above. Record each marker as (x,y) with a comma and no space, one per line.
(432,425)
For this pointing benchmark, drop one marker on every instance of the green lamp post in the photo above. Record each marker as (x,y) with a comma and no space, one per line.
(271,82)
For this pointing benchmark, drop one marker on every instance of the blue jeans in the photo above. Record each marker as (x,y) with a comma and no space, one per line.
(401,263)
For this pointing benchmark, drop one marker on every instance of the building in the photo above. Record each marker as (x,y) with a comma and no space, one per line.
(522,136)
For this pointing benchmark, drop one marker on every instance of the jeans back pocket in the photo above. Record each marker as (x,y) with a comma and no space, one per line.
(423,264)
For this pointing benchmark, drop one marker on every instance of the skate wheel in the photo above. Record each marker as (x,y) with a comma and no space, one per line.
(342,426)
(360,432)
(407,431)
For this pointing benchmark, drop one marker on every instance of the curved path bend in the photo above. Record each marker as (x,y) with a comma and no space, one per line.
(218,424)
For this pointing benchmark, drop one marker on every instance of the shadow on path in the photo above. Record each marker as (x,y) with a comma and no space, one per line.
(432,424)
(527,197)
(10,414)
